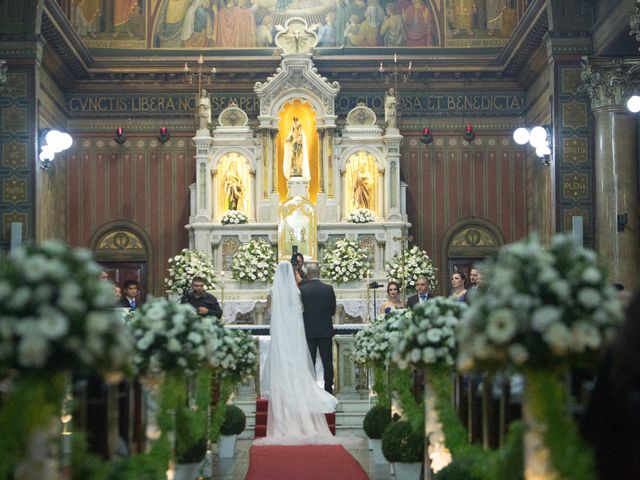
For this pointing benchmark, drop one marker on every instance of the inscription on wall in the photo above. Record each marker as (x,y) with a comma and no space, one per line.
(505,104)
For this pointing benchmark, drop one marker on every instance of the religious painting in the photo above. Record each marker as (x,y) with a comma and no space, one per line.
(479,23)
(361,183)
(110,23)
(233,185)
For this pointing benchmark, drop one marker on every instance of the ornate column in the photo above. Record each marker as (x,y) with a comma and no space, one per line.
(608,83)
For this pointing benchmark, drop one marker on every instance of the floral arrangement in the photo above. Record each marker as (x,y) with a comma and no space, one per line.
(56,314)
(185,266)
(254,261)
(238,355)
(233,217)
(539,307)
(172,336)
(345,260)
(374,343)
(406,269)
(428,333)
(361,215)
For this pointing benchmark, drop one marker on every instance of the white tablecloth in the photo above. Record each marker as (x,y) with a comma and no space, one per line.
(231,308)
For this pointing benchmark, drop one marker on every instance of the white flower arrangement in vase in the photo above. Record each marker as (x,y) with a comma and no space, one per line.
(373,345)
(361,215)
(254,262)
(186,265)
(56,315)
(428,333)
(539,308)
(238,355)
(233,217)
(170,336)
(406,269)
(344,261)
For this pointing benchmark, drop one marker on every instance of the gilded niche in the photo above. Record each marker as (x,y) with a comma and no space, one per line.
(297,226)
(361,180)
(233,184)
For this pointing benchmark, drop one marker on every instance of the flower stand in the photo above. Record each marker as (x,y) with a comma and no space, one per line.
(376,449)
(186,471)
(227,446)
(537,457)
(407,471)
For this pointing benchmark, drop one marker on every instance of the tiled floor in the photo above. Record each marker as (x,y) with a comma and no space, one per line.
(236,468)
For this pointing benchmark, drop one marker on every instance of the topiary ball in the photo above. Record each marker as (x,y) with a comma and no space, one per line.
(401,444)
(235,421)
(376,420)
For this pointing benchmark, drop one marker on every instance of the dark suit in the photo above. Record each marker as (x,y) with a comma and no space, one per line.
(413,300)
(319,304)
(124,303)
(206,300)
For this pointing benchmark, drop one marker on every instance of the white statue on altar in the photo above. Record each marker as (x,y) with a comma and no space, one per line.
(296,155)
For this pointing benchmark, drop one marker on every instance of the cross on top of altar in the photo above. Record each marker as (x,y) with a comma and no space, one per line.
(295,37)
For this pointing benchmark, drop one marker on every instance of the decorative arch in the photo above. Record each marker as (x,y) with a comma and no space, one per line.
(122,241)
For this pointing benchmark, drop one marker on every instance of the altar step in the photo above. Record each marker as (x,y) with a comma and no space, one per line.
(262,406)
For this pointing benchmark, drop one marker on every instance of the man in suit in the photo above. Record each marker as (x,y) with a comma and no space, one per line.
(422,293)
(203,302)
(319,307)
(128,300)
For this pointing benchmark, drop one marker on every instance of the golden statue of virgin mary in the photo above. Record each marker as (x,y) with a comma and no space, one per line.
(296,153)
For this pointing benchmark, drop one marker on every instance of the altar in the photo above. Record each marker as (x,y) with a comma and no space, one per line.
(296,173)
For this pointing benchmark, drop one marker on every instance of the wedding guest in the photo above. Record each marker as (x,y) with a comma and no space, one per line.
(422,293)
(299,270)
(393,298)
(458,292)
(204,303)
(474,274)
(118,291)
(129,300)
(103,275)
(611,423)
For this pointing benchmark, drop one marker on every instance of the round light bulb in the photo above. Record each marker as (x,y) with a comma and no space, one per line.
(633,104)
(46,154)
(543,150)
(521,136)
(538,136)
(66,141)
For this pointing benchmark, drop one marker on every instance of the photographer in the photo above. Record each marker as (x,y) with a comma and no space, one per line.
(203,302)
(297,261)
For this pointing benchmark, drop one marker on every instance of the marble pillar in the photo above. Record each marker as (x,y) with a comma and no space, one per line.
(609,82)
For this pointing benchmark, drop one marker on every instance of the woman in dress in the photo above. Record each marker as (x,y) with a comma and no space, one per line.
(458,290)
(297,404)
(393,298)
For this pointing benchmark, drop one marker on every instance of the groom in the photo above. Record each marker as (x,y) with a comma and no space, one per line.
(319,304)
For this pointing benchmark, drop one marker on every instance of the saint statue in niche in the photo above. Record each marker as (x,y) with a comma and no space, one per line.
(390,108)
(362,186)
(296,157)
(233,188)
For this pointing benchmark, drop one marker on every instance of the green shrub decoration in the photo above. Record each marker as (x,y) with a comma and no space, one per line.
(377,419)
(400,443)
(235,421)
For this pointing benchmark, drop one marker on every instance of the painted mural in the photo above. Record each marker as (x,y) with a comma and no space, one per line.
(228,24)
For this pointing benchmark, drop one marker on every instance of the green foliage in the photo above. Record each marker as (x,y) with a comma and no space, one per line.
(380,385)
(569,454)
(34,402)
(401,382)
(400,443)
(218,412)
(191,420)
(377,419)
(235,421)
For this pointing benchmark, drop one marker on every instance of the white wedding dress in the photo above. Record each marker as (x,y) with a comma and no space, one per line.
(297,404)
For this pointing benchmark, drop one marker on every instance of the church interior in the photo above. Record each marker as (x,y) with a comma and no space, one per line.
(297,113)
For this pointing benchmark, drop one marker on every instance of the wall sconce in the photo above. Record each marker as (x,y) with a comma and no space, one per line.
(51,142)
(469,134)
(633,104)
(163,135)
(622,220)
(121,137)
(538,137)
(427,136)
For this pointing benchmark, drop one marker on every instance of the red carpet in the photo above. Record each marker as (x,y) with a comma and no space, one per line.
(304,462)
(262,406)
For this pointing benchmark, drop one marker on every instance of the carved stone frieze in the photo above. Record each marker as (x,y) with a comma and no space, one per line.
(635,23)
(609,82)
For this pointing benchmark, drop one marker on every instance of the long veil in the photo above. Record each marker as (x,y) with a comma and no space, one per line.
(296,402)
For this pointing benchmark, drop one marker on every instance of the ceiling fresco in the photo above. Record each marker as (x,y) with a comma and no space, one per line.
(232,24)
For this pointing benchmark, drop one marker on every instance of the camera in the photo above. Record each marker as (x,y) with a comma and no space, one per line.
(375,284)
(294,255)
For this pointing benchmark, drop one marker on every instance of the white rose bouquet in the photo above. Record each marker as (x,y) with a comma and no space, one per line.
(57,315)
(428,333)
(254,261)
(539,307)
(233,217)
(172,337)
(238,355)
(408,268)
(345,260)
(185,266)
(361,215)
(374,344)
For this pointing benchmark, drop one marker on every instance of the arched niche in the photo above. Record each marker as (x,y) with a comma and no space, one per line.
(362,182)
(233,182)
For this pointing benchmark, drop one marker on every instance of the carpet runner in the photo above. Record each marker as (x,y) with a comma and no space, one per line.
(262,407)
(303,462)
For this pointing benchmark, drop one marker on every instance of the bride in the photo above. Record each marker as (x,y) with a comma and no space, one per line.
(297,404)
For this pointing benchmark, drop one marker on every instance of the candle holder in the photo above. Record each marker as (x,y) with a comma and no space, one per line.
(201,75)
(395,73)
